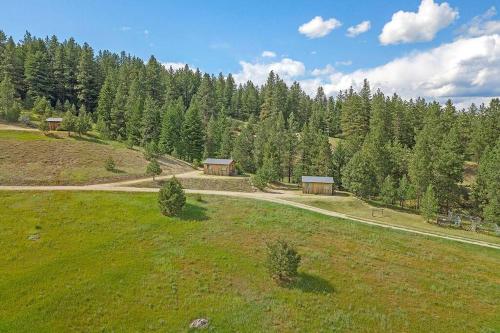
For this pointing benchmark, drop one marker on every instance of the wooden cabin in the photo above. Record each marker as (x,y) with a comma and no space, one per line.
(219,167)
(54,123)
(317,185)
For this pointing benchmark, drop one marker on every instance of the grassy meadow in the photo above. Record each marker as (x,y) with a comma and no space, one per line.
(32,158)
(345,203)
(110,262)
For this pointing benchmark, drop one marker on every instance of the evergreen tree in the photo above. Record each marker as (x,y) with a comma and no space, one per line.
(70,122)
(487,189)
(429,204)
(118,112)
(358,176)
(388,191)
(243,148)
(84,121)
(339,161)
(171,130)
(36,70)
(133,112)
(9,108)
(105,104)
(153,169)
(86,85)
(153,80)
(151,121)
(192,133)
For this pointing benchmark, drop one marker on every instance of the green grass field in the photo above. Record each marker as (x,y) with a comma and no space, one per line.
(352,206)
(237,184)
(31,158)
(110,262)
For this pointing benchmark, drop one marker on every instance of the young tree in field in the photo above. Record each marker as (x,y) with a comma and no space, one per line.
(69,122)
(282,262)
(429,204)
(109,164)
(153,169)
(171,198)
(84,121)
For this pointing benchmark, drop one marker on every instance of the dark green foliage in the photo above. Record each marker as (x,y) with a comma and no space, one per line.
(109,164)
(429,205)
(192,134)
(389,191)
(487,190)
(70,122)
(9,107)
(171,198)
(153,169)
(282,261)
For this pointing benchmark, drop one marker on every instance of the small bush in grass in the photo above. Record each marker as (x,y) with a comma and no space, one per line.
(282,261)
(198,197)
(171,197)
(259,181)
(197,163)
(109,164)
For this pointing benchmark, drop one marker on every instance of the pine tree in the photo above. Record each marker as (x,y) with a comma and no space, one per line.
(205,98)
(339,161)
(358,176)
(70,122)
(84,121)
(153,80)
(192,133)
(243,148)
(212,138)
(105,104)
(388,191)
(86,85)
(151,122)
(487,188)
(118,121)
(36,70)
(9,108)
(133,112)
(172,127)
(429,204)
(153,169)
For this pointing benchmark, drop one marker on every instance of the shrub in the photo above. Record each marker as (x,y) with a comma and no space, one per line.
(109,164)
(153,169)
(171,198)
(259,181)
(197,163)
(282,261)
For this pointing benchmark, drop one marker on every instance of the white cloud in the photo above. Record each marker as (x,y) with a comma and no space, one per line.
(327,70)
(343,63)
(174,65)
(468,67)
(408,27)
(268,54)
(318,27)
(286,68)
(358,29)
(481,25)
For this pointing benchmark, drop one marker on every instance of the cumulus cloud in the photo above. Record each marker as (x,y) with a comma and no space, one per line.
(468,67)
(358,29)
(175,65)
(287,69)
(481,25)
(268,54)
(328,69)
(317,27)
(408,27)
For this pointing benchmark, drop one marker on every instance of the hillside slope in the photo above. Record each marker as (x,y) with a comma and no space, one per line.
(31,158)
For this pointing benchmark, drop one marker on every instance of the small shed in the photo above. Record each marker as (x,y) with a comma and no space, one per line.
(317,185)
(54,123)
(219,167)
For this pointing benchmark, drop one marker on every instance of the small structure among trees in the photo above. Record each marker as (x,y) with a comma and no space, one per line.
(317,185)
(219,167)
(54,123)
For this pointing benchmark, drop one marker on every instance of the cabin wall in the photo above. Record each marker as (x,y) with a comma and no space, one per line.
(219,170)
(317,188)
(53,126)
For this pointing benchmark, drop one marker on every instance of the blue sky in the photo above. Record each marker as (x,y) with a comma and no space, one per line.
(231,36)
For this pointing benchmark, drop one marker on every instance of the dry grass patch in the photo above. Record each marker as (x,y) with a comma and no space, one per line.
(31,158)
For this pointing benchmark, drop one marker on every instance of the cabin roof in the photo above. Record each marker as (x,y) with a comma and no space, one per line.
(53,119)
(315,179)
(220,161)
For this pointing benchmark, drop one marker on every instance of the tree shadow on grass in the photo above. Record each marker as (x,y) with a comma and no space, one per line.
(193,213)
(312,284)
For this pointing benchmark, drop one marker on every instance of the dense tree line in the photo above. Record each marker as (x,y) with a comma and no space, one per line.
(394,149)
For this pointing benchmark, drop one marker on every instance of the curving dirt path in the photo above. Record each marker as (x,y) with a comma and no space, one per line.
(278,197)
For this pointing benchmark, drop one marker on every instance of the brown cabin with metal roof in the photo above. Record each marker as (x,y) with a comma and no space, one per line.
(219,167)
(54,123)
(317,185)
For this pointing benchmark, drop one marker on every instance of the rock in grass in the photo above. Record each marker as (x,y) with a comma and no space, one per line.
(34,237)
(199,323)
